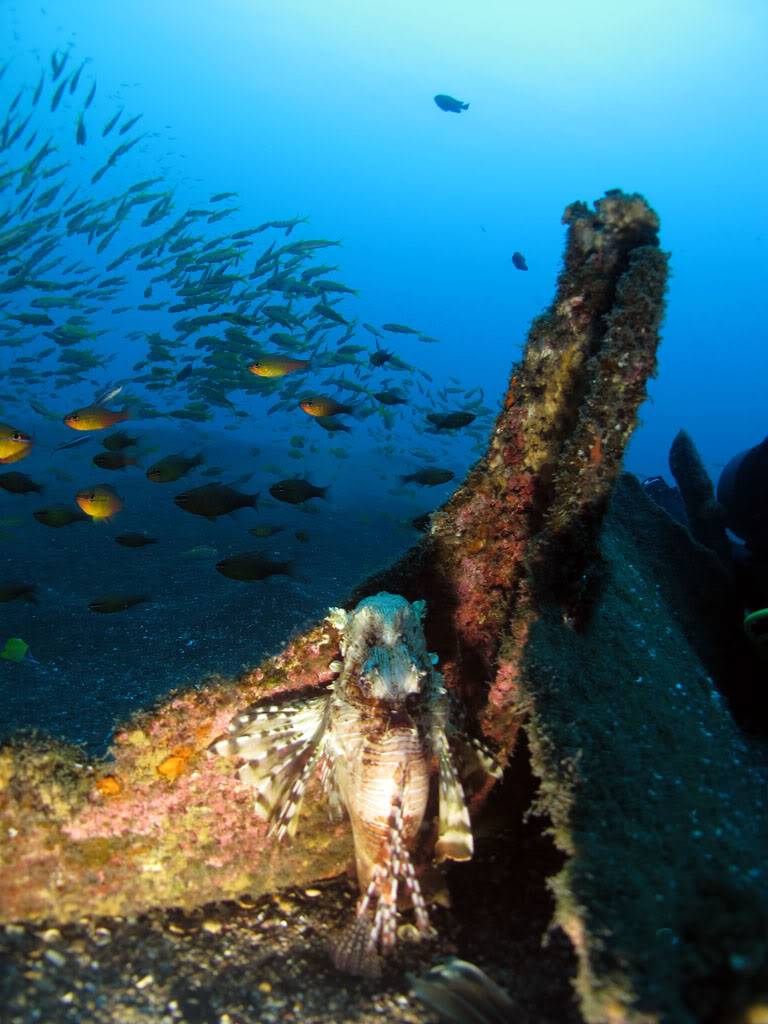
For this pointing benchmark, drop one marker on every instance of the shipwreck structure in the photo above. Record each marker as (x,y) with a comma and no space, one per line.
(559,600)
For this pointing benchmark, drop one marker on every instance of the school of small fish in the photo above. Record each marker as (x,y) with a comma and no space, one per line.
(242,323)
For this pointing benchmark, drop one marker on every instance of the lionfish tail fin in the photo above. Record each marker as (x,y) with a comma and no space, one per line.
(354,953)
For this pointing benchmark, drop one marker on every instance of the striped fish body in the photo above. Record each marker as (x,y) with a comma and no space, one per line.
(378,763)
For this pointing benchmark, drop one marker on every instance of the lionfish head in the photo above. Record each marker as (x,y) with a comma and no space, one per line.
(395,666)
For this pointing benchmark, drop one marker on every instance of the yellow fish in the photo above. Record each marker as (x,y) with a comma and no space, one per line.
(14,444)
(94,417)
(277,366)
(320,406)
(100,502)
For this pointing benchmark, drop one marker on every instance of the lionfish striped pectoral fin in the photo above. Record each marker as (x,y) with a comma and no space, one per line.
(454,837)
(281,745)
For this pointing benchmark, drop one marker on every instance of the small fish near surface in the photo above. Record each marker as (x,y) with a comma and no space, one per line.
(118,441)
(113,460)
(15,649)
(390,397)
(379,356)
(449,104)
(252,565)
(331,424)
(321,406)
(134,540)
(202,551)
(428,477)
(57,516)
(399,329)
(94,417)
(100,502)
(296,491)
(172,467)
(265,530)
(381,742)
(518,261)
(213,500)
(18,592)
(451,420)
(14,444)
(19,483)
(108,603)
(76,442)
(277,366)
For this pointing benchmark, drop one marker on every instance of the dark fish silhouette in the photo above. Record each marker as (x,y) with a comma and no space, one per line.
(463,994)
(57,516)
(213,500)
(450,104)
(428,477)
(252,565)
(518,260)
(296,491)
(451,420)
(18,592)
(135,540)
(109,603)
(113,460)
(19,483)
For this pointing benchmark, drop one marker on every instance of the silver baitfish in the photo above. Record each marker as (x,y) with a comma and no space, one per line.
(380,737)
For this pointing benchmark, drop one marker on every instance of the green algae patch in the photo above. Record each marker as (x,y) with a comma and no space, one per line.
(654,793)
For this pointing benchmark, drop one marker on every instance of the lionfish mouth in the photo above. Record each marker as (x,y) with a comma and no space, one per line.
(390,673)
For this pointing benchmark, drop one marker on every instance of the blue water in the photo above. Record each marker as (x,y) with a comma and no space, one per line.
(325,110)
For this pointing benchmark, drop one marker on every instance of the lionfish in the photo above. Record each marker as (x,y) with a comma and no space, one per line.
(379,736)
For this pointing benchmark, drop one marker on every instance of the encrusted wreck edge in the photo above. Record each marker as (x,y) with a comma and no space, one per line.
(161,822)
(653,792)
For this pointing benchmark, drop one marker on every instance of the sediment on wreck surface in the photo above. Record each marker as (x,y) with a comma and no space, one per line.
(654,793)
(514,573)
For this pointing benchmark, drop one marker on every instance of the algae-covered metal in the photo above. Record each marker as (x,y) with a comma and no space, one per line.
(379,737)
